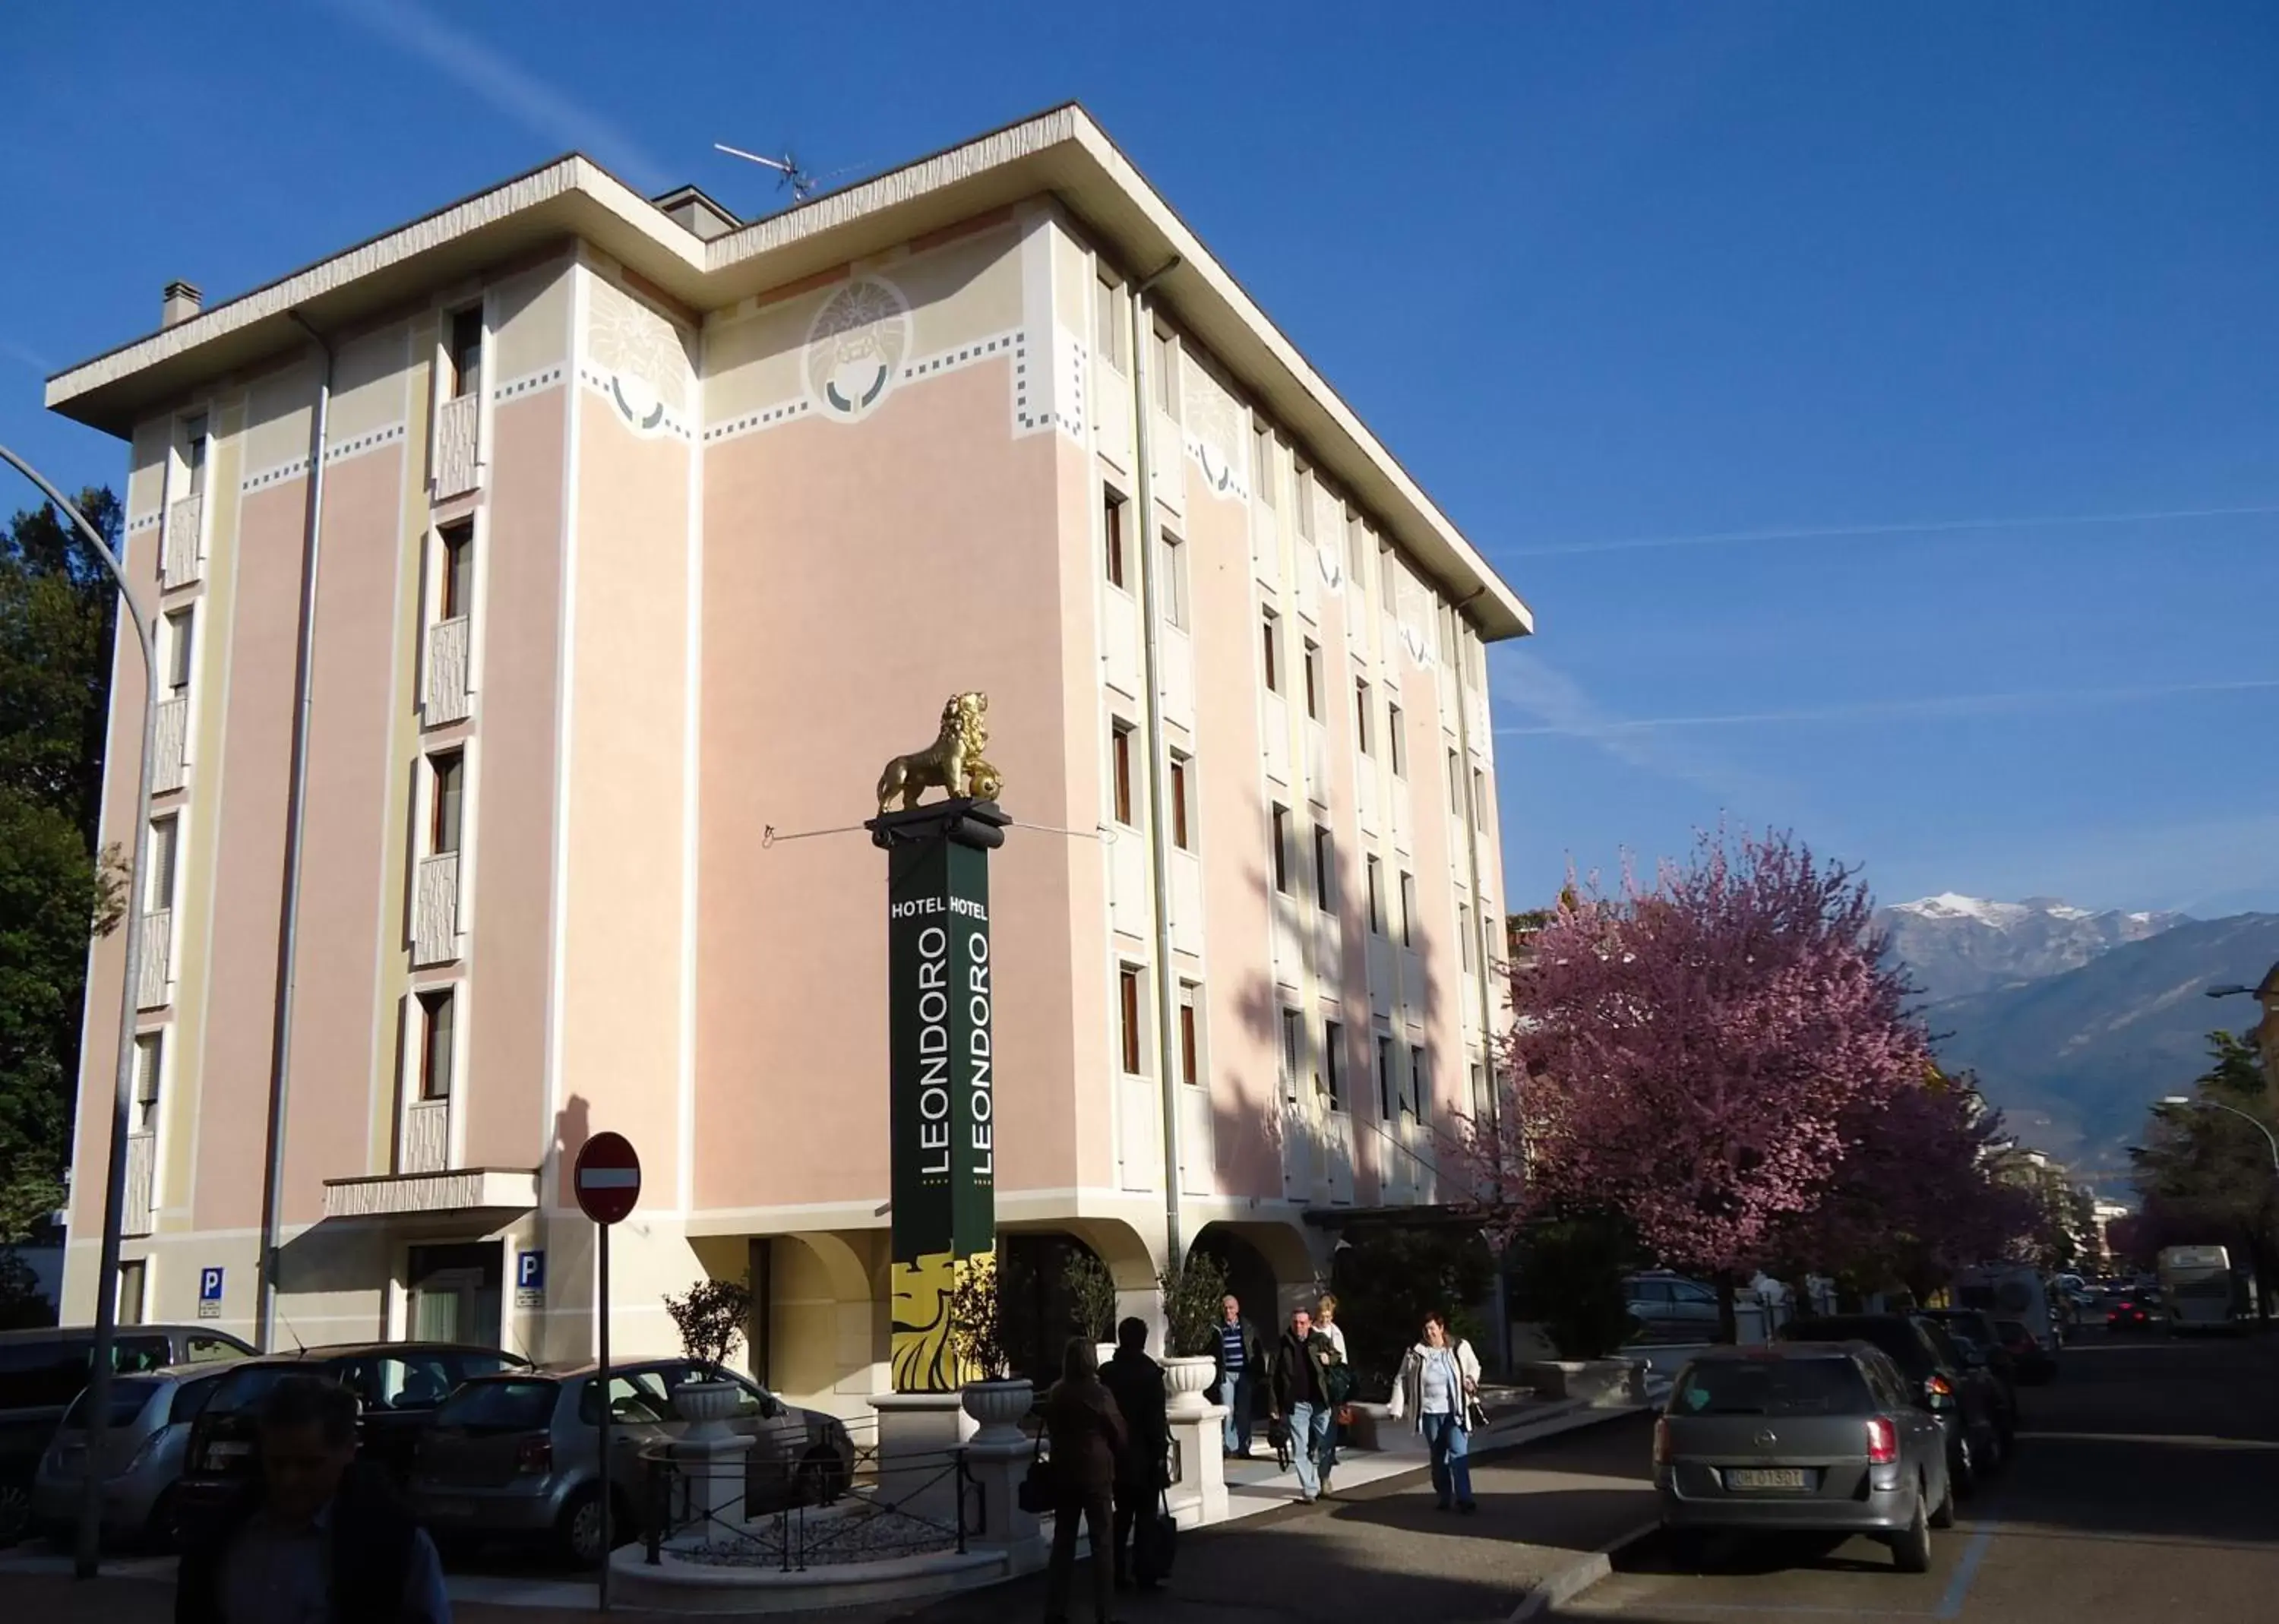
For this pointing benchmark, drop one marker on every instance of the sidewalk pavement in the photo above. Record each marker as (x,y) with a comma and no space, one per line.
(1375,1549)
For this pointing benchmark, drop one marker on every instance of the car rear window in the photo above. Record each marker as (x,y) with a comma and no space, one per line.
(500,1407)
(1896,1338)
(1827,1385)
(128,1397)
(190,1400)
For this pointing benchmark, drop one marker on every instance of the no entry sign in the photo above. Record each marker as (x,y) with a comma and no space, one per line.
(607,1178)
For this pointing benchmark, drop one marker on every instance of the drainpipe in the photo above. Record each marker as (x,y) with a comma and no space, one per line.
(289,929)
(1143,423)
(1471,814)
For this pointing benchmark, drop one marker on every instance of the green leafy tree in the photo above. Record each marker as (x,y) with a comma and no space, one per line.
(1391,1276)
(2207,1172)
(57,612)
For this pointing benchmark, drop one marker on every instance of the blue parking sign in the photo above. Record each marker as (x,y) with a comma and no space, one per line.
(530,1271)
(210,1285)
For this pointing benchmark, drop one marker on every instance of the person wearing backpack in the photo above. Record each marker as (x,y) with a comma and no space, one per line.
(1440,1385)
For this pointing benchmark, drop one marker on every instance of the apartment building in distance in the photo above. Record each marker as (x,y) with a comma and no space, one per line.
(625,540)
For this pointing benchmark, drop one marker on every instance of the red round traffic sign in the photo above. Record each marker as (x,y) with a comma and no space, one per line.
(607,1178)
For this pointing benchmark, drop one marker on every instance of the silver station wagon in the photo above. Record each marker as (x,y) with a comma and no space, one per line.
(1802,1435)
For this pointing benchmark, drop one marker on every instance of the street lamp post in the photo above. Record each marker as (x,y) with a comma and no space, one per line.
(114,1191)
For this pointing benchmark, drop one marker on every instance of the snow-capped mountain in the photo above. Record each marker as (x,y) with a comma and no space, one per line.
(1957,945)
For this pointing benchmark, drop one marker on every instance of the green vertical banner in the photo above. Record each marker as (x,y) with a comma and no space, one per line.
(941,1115)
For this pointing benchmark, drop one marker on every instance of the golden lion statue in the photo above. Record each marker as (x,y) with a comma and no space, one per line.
(954,760)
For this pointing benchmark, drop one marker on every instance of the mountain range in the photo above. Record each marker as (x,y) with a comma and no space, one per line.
(2076,1022)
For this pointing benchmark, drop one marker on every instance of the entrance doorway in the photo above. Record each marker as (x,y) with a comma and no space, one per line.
(455,1293)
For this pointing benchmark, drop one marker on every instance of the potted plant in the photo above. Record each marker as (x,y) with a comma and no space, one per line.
(1093,1289)
(1192,1296)
(997,1403)
(710,1316)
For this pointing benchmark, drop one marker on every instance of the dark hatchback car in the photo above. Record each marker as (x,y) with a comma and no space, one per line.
(1935,1378)
(398,1385)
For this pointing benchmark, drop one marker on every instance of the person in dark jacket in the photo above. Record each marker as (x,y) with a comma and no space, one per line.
(1300,1398)
(317,1538)
(1143,1470)
(1087,1434)
(1242,1361)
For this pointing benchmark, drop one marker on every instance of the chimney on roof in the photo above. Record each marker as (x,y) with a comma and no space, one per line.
(695,212)
(183,300)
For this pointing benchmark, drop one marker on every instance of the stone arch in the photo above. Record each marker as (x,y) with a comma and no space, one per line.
(826,1328)
(1269,1267)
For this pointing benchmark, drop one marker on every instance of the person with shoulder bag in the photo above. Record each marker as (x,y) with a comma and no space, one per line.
(1440,1385)
(1087,1434)
(1143,1471)
(1337,1380)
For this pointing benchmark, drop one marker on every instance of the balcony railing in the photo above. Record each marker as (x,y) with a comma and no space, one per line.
(141,1161)
(185,529)
(151,984)
(435,910)
(446,696)
(427,1138)
(166,772)
(452,468)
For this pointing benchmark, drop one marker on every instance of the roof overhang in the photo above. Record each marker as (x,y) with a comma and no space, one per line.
(460,1190)
(1062,153)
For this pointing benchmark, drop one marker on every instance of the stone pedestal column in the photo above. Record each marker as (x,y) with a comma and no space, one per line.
(997,1468)
(1198,1493)
(711,1472)
(919,1435)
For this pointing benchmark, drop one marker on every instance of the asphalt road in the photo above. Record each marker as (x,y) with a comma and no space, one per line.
(2145,1487)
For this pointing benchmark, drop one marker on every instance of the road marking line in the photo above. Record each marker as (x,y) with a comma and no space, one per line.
(1958,1588)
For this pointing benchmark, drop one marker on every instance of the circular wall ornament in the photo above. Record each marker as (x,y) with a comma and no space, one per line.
(856,349)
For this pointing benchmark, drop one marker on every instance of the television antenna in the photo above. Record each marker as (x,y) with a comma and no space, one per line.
(790,172)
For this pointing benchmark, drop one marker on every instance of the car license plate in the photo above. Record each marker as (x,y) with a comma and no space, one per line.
(1758,1477)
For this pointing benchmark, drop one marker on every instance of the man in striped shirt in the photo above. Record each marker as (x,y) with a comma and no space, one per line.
(1242,1362)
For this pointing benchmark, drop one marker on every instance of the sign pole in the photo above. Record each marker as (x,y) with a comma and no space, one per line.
(601,1239)
(607,1181)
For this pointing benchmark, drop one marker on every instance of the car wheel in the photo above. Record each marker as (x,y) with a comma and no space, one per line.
(1911,1547)
(1942,1515)
(1962,1466)
(578,1532)
(15,1513)
(820,1479)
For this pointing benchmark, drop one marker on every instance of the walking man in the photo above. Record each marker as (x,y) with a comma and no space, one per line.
(1143,1468)
(1301,1399)
(1242,1362)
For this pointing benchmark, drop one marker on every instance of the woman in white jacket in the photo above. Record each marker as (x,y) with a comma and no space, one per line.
(1439,1384)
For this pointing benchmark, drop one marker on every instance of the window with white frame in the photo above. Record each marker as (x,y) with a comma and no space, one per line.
(463,353)
(1305,502)
(1408,924)
(455,593)
(1312,656)
(1112,508)
(1129,1004)
(1181,777)
(1325,870)
(1386,1081)
(1111,332)
(446,789)
(1364,718)
(1293,1052)
(1333,1073)
(1470,949)
(1376,871)
(194,432)
(1413,1099)
(1175,582)
(159,889)
(1396,743)
(1269,648)
(1479,800)
(1263,463)
(1191,1058)
(1280,838)
(1164,364)
(1356,551)
(438,1012)
(150,1071)
(182,623)
(1120,769)
(1455,786)
(1388,578)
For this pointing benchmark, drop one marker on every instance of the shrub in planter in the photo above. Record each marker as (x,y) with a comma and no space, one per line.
(1092,1290)
(710,1317)
(1193,1293)
(977,1320)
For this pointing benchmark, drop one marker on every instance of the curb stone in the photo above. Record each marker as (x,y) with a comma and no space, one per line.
(1557,1589)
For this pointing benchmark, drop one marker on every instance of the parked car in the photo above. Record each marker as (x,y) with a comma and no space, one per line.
(1934,1380)
(2127,1313)
(1671,1307)
(399,1387)
(1803,1434)
(2035,1363)
(42,1371)
(1973,1330)
(519,1454)
(144,1443)
(1993,1394)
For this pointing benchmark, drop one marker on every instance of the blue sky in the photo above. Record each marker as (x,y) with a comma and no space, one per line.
(1671,275)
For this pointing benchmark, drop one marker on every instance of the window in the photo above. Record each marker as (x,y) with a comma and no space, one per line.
(1165,364)
(1479,799)
(1415,1101)
(1293,1052)
(1388,579)
(1334,1082)
(1313,679)
(1111,336)
(1384,1080)
(1127,1008)
(1269,637)
(1376,895)
(1395,745)
(158,895)
(1361,717)
(1175,582)
(636,1400)
(149,1057)
(1119,757)
(1261,463)
(1282,850)
(179,627)
(1191,1070)
(466,353)
(436,1019)
(1356,551)
(447,773)
(1325,871)
(1480,1100)
(1408,910)
(458,591)
(1112,537)
(1181,837)
(1305,502)
(133,1284)
(1464,934)
(193,453)
(1455,787)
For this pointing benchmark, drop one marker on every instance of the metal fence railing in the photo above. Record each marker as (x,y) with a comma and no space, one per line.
(904,1505)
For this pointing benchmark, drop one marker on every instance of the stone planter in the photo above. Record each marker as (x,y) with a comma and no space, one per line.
(707,1407)
(997,1408)
(1187,1378)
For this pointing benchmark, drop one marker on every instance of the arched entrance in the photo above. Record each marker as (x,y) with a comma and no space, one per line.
(1268,1267)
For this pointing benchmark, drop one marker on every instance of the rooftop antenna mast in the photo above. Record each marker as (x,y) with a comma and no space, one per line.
(789,171)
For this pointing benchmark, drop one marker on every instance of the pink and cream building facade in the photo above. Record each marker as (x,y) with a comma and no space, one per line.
(644,537)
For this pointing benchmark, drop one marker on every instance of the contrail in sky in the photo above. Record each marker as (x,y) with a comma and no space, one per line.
(1951,705)
(1927,527)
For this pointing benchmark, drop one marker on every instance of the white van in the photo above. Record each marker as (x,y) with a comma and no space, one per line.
(2011,1291)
